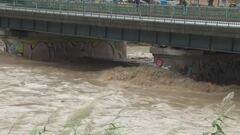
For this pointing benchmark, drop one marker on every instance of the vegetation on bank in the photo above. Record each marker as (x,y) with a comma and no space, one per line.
(226,107)
(75,121)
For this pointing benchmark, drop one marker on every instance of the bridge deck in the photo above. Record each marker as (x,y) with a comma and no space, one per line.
(185,31)
(184,21)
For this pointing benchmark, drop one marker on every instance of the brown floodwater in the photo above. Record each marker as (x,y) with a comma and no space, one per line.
(40,94)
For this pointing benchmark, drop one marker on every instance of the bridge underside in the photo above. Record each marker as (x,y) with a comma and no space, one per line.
(181,40)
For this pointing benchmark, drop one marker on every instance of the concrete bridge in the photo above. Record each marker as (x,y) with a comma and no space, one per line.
(204,28)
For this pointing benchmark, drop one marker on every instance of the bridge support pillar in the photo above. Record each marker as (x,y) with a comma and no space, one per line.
(205,66)
(177,59)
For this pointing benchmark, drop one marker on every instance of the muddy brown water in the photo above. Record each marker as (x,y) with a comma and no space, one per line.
(36,94)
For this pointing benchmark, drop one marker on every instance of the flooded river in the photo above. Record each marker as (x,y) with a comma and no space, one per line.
(90,96)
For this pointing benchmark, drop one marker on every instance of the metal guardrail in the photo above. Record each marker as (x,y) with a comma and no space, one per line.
(188,12)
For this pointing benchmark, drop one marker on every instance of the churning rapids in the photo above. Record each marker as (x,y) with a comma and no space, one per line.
(138,100)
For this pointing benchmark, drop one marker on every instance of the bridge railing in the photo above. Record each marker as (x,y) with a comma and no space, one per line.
(188,12)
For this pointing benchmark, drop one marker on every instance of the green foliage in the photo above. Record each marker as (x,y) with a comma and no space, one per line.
(226,107)
(75,120)
(37,131)
(112,129)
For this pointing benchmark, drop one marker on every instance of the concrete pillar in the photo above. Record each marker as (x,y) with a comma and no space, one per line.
(177,59)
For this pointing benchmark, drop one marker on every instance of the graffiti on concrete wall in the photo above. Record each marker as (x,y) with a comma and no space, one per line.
(2,46)
(10,46)
(49,49)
